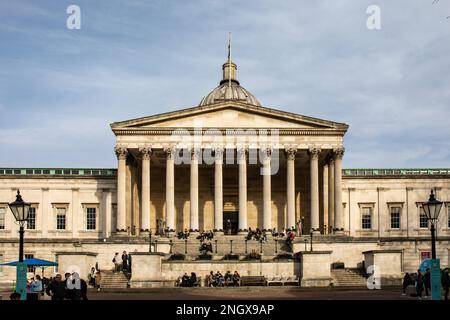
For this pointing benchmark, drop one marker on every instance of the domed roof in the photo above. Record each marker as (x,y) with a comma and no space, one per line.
(229,92)
(229,88)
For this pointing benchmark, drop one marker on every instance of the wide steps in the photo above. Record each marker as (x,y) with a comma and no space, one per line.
(114,280)
(348,278)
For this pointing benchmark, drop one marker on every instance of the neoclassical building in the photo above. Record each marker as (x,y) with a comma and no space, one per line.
(227,164)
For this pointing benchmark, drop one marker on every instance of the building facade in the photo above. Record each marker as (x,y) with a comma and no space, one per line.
(228,164)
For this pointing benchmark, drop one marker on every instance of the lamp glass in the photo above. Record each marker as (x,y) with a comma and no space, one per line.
(19,208)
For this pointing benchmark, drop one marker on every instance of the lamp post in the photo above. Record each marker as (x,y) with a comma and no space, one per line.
(20,210)
(432,209)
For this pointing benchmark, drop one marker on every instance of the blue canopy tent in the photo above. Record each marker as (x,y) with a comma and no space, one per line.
(34,262)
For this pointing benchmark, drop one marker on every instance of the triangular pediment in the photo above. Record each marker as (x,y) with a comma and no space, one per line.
(228,115)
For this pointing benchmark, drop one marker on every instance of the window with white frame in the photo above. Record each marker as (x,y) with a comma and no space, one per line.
(2,217)
(395,217)
(366,218)
(91,218)
(31,219)
(61,218)
(423,221)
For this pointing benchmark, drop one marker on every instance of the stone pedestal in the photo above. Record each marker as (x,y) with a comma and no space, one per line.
(315,268)
(386,265)
(147,272)
(80,262)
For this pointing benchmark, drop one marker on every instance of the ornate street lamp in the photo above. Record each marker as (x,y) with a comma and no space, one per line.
(432,208)
(20,210)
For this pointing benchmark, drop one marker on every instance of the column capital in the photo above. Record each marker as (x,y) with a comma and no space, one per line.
(314,153)
(121,152)
(170,151)
(338,153)
(267,152)
(242,152)
(290,152)
(145,152)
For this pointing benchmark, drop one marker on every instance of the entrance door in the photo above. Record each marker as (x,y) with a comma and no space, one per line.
(230,222)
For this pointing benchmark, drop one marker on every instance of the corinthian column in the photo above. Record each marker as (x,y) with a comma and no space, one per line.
(145,196)
(290,190)
(194,189)
(170,189)
(331,193)
(218,189)
(338,212)
(121,153)
(267,197)
(242,162)
(314,183)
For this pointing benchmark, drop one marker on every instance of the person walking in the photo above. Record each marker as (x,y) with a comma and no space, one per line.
(56,288)
(124,261)
(98,280)
(419,284)
(406,282)
(36,287)
(117,260)
(427,282)
(92,276)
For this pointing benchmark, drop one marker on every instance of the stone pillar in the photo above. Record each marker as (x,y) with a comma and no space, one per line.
(170,190)
(145,196)
(107,212)
(267,199)
(242,162)
(218,190)
(325,199)
(121,189)
(194,190)
(338,212)
(331,194)
(290,189)
(76,216)
(314,186)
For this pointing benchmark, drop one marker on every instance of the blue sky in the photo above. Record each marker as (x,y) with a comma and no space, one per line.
(60,89)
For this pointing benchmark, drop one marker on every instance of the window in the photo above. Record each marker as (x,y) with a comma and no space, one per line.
(30,268)
(424,255)
(2,217)
(395,217)
(31,220)
(448,216)
(60,218)
(423,221)
(366,218)
(91,214)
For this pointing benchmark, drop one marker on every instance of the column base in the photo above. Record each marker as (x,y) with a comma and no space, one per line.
(242,233)
(121,233)
(218,233)
(339,232)
(316,232)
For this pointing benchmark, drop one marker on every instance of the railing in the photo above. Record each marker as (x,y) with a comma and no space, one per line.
(57,172)
(394,172)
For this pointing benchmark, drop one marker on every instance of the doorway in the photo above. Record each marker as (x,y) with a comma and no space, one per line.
(230,222)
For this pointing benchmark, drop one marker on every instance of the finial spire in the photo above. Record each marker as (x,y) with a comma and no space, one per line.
(229,67)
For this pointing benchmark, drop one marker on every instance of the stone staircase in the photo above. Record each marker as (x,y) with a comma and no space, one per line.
(348,278)
(222,245)
(111,280)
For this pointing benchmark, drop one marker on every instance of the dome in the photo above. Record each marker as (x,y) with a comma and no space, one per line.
(229,92)
(229,88)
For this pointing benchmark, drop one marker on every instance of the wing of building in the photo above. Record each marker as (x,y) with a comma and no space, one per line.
(232,166)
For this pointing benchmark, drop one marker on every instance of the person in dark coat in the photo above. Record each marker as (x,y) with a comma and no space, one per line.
(57,288)
(406,282)
(419,284)
(125,261)
(427,282)
(83,290)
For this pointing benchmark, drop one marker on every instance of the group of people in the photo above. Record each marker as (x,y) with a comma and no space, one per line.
(219,280)
(422,282)
(290,237)
(205,235)
(122,263)
(183,234)
(257,235)
(205,247)
(71,288)
(95,278)
(188,281)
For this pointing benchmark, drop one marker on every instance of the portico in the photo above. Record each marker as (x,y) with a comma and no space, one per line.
(266,168)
